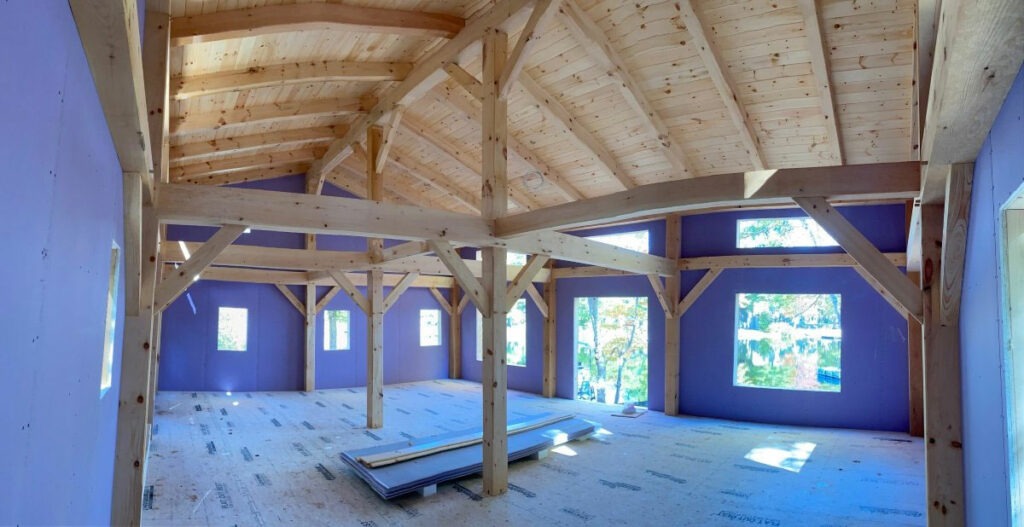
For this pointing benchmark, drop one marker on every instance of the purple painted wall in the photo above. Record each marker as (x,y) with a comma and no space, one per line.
(275,359)
(874,354)
(997,175)
(61,208)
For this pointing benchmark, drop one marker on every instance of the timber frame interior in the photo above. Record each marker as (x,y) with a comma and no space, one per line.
(501,124)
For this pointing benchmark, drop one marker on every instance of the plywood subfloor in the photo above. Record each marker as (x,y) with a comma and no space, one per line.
(272,458)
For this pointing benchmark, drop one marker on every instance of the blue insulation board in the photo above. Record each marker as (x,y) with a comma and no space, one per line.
(409,476)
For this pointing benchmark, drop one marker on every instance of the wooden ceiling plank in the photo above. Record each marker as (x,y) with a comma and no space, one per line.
(820,68)
(265,114)
(424,75)
(434,179)
(879,181)
(592,39)
(265,20)
(723,83)
(554,110)
(539,19)
(470,111)
(287,74)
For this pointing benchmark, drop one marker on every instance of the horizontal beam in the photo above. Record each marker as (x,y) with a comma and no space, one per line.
(267,20)
(270,257)
(272,277)
(780,260)
(772,187)
(287,74)
(191,152)
(312,214)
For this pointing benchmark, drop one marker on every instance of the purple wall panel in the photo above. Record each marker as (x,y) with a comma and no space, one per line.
(62,208)
(997,175)
(874,356)
(275,360)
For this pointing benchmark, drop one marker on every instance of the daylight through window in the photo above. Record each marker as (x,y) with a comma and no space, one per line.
(515,334)
(336,324)
(106,369)
(781,232)
(792,342)
(232,329)
(430,327)
(639,241)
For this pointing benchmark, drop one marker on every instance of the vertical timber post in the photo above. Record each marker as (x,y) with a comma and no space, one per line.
(915,368)
(454,335)
(673,241)
(494,205)
(942,411)
(375,293)
(550,337)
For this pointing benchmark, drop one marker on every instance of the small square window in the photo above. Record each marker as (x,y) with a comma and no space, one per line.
(430,327)
(232,329)
(336,329)
(515,335)
(781,232)
(109,334)
(792,342)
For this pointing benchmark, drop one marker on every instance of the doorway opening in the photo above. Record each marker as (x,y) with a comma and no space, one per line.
(610,356)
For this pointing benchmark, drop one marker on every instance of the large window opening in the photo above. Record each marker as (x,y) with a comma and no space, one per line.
(336,329)
(515,335)
(611,349)
(781,232)
(232,329)
(110,329)
(792,342)
(1012,283)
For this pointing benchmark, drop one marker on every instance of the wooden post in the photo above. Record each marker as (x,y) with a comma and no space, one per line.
(375,292)
(914,367)
(494,141)
(310,337)
(454,336)
(942,410)
(673,241)
(550,338)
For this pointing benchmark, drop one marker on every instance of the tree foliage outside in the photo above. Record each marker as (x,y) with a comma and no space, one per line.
(336,329)
(430,327)
(232,328)
(781,232)
(788,341)
(611,349)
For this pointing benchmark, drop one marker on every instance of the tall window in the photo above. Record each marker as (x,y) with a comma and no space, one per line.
(430,327)
(109,333)
(781,232)
(639,241)
(515,331)
(792,342)
(232,329)
(336,329)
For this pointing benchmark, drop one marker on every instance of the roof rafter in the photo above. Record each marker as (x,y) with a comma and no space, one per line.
(462,105)
(436,180)
(266,20)
(250,174)
(187,153)
(592,39)
(425,75)
(234,164)
(820,68)
(265,114)
(543,10)
(726,88)
(286,74)
(554,110)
